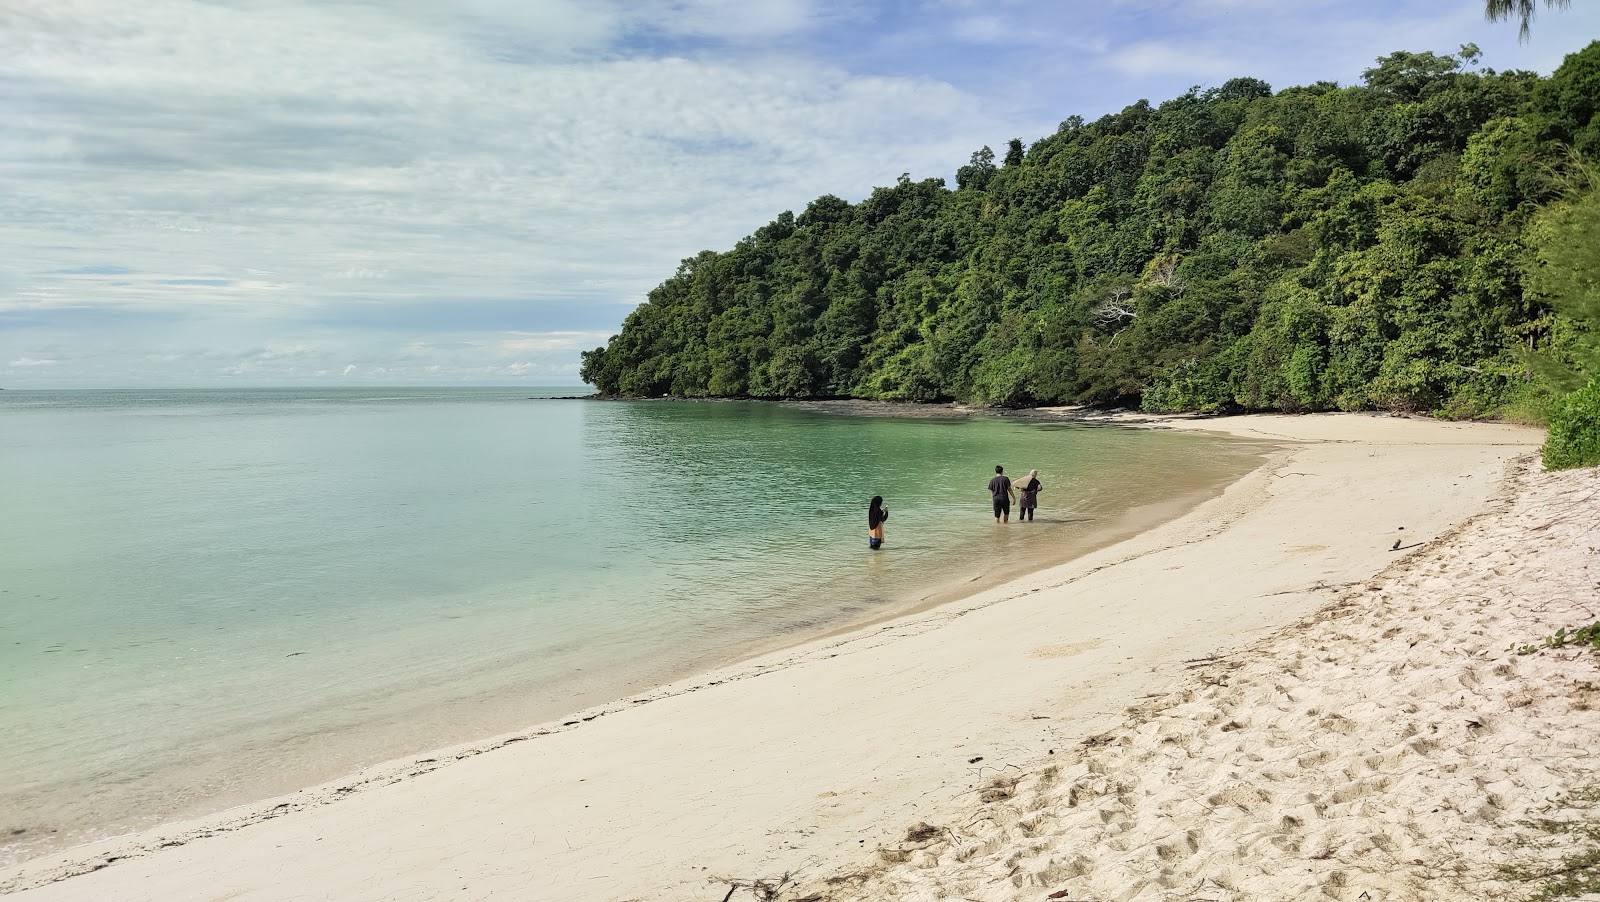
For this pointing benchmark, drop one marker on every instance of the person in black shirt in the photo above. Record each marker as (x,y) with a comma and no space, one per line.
(1001,491)
(877,513)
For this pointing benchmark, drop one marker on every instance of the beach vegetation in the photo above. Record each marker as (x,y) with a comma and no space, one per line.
(1578,637)
(1576,834)
(1420,242)
(1574,436)
(1564,270)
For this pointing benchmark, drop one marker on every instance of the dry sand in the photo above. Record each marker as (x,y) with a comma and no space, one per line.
(1392,746)
(1362,729)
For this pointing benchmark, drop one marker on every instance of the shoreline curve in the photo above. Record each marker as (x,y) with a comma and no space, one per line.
(843,738)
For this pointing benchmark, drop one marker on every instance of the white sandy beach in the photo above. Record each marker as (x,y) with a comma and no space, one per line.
(1362,728)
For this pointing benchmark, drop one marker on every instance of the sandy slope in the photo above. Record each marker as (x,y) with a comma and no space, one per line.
(1388,747)
(809,761)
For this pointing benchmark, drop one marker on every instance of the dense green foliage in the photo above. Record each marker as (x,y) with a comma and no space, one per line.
(1574,439)
(1565,270)
(1234,248)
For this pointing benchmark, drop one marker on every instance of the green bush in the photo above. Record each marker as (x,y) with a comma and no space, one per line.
(1574,439)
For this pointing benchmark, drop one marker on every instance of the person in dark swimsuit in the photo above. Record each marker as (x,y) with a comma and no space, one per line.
(1001,491)
(1028,497)
(877,513)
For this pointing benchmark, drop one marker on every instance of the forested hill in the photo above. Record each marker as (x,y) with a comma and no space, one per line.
(1319,247)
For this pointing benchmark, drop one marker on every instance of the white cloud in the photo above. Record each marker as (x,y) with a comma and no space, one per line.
(352,156)
(442,191)
(554,341)
(731,18)
(1165,58)
(32,361)
(984,30)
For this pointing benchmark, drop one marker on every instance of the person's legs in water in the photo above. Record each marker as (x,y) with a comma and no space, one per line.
(1002,510)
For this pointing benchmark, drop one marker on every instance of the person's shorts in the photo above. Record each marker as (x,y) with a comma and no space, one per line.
(1002,506)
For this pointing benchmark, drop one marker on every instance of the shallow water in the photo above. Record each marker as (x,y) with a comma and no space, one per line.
(209,597)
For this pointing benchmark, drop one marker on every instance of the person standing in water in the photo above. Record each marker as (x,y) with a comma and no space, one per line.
(1028,499)
(877,513)
(1001,491)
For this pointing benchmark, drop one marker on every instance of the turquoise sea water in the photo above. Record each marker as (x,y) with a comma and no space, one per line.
(210,597)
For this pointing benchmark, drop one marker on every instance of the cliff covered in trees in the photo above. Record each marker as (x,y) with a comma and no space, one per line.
(1321,247)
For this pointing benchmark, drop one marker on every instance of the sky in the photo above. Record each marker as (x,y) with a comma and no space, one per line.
(357,192)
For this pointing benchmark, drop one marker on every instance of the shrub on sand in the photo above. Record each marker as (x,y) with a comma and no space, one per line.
(1574,438)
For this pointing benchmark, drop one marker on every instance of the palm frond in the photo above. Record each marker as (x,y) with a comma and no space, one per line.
(1522,10)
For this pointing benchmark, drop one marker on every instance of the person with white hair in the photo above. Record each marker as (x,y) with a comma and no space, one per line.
(1028,495)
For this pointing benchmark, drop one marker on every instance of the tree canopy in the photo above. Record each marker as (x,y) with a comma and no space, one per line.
(1318,247)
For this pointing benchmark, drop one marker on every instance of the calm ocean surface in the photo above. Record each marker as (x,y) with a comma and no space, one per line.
(210,597)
